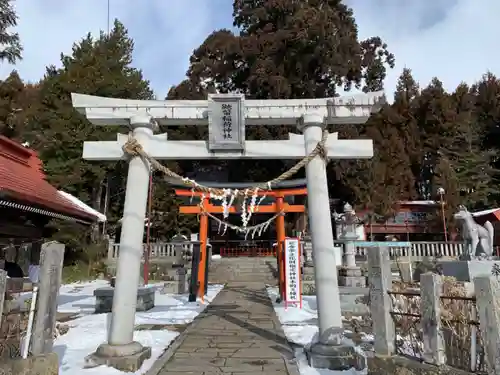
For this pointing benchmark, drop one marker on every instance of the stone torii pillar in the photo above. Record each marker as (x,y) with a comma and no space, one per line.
(227,115)
(121,351)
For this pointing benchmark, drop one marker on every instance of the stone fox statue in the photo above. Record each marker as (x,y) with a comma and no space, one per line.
(478,239)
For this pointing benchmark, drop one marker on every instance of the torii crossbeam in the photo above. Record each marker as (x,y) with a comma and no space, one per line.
(226,115)
(293,148)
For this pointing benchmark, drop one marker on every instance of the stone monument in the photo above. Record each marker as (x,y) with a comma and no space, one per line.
(477,258)
(177,282)
(179,242)
(226,116)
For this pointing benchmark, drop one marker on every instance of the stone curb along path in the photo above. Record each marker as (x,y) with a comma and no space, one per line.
(238,333)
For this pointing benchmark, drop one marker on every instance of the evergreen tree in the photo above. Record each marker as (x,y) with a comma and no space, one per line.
(472,159)
(286,50)
(11,48)
(390,176)
(17,103)
(486,114)
(97,66)
(435,116)
(455,156)
(407,92)
(387,178)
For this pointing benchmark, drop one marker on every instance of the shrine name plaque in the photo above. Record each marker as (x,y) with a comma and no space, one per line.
(226,122)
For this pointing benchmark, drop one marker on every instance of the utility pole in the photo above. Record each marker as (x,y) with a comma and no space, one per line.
(108,15)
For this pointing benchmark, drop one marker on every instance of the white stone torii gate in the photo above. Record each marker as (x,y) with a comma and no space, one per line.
(227,115)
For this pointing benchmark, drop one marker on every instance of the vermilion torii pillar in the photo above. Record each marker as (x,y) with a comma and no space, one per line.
(226,115)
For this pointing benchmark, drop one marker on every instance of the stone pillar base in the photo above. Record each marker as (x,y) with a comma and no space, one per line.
(352,277)
(126,358)
(335,357)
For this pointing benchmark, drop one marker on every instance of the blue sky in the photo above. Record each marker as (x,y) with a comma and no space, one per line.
(454,40)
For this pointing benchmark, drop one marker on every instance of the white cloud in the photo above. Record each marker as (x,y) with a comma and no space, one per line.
(454,40)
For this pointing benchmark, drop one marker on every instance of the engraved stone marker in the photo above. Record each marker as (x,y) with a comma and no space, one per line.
(51,263)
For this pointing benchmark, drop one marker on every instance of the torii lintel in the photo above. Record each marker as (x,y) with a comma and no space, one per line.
(353,109)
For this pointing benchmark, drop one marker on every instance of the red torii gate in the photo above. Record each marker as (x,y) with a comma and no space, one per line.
(279,192)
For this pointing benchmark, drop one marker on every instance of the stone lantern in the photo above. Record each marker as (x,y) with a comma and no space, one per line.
(349,222)
(350,274)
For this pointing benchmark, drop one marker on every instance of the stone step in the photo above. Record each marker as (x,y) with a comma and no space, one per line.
(241,277)
(244,275)
(250,270)
(238,277)
(233,261)
(245,269)
(244,266)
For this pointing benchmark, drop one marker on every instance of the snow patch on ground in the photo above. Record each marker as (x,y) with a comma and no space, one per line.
(89,330)
(299,326)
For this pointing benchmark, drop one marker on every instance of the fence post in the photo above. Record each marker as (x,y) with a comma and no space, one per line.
(380,280)
(3,289)
(431,286)
(487,290)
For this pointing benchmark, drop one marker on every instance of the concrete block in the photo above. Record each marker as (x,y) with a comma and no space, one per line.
(104,299)
(464,270)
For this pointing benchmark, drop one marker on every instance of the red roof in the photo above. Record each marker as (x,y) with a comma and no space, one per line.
(492,215)
(22,178)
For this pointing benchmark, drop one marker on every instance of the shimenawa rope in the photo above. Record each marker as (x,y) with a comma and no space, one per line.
(133,148)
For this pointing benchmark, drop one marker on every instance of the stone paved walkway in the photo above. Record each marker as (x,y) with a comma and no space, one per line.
(237,334)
